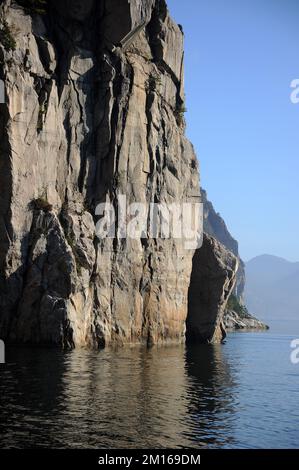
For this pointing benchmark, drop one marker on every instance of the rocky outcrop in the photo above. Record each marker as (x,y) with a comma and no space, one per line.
(238,318)
(212,282)
(215,226)
(234,321)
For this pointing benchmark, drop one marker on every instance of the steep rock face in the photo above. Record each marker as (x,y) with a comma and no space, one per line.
(212,282)
(238,317)
(215,226)
(94,100)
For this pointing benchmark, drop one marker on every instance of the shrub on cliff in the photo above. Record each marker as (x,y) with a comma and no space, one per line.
(6,37)
(234,305)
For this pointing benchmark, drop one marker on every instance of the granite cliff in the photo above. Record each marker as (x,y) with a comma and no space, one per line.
(95,109)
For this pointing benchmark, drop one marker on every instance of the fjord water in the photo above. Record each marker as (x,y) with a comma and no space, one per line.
(243,394)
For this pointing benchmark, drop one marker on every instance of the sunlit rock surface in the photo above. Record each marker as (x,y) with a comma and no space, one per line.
(95,109)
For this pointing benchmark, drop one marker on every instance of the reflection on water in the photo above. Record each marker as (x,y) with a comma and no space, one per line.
(210,395)
(132,397)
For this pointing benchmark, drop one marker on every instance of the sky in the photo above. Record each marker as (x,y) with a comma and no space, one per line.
(240,59)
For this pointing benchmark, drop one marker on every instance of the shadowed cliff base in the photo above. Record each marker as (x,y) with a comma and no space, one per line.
(213,279)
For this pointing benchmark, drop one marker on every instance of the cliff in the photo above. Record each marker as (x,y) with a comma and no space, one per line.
(94,111)
(215,226)
(236,315)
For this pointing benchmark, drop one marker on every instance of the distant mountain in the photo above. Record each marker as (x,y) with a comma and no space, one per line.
(272,289)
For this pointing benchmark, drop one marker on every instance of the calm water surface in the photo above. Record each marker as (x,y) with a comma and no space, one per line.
(243,394)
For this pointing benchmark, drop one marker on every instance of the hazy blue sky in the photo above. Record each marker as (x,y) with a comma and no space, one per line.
(241,56)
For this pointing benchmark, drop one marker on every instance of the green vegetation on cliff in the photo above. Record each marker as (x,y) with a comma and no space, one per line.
(235,305)
(6,37)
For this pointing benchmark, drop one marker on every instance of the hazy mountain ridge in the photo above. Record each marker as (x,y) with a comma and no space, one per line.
(271,290)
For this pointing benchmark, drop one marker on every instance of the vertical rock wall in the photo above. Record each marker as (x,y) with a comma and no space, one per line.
(95,111)
(91,112)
